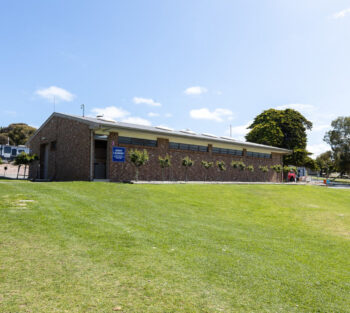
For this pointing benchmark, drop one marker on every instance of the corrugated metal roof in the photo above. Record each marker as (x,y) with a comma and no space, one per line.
(100,122)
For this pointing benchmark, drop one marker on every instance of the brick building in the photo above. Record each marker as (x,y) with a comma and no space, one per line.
(84,148)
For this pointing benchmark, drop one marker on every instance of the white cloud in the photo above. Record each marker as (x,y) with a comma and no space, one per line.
(58,93)
(120,114)
(217,115)
(195,90)
(151,102)
(137,120)
(153,114)
(241,130)
(317,149)
(303,108)
(111,112)
(168,115)
(341,14)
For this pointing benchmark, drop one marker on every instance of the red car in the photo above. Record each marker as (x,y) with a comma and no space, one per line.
(291,176)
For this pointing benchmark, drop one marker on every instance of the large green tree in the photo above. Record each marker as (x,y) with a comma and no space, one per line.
(339,140)
(3,139)
(18,133)
(283,129)
(326,163)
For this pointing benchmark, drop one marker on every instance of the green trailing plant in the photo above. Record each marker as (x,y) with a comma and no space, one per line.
(187,162)
(138,158)
(264,169)
(277,168)
(221,165)
(250,168)
(207,165)
(0,161)
(238,164)
(164,162)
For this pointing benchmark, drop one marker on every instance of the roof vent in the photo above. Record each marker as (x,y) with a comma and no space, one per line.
(228,138)
(164,128)
(209,135)
(188,131)
(105,119)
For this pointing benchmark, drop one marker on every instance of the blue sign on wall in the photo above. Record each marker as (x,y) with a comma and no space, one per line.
(118,154)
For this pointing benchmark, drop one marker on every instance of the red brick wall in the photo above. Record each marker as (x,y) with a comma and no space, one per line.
(71,158)
(152,170)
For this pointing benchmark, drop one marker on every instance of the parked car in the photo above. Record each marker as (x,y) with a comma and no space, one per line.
(292,176)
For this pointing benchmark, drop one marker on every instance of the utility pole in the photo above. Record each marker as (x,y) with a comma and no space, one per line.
(83,108)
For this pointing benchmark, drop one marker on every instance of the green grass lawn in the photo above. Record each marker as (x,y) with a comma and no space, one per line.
(92,247)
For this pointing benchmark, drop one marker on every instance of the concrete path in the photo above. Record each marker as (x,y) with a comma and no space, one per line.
(141,182)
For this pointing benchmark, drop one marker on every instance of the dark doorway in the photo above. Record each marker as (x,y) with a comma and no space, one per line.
(44,161)
(100,159)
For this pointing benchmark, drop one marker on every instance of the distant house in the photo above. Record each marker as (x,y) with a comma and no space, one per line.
(84,148)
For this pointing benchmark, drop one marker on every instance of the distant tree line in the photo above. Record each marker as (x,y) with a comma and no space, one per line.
(17,134)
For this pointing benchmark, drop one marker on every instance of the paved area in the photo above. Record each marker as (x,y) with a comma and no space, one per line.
(223,183)
(11,171)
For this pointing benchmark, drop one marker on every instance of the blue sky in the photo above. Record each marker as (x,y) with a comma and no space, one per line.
(200,64)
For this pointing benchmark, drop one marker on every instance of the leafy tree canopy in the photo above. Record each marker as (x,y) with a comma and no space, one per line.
(339,140)
(280,128)
(326,163)
(3,139)
(283,129)
(18,133)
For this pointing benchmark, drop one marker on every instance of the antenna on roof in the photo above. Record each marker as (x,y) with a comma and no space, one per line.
(83,108)
(54,103)
(230,130)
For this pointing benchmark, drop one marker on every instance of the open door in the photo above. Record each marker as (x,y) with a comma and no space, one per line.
(100,159)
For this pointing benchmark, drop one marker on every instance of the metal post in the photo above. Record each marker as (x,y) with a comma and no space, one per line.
(83,108)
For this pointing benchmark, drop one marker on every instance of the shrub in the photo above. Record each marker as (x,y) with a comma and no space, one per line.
(186,162)
(139,158)
(21,159)
(250,168)
(264,169)
(207,165)
(238,164)
(277,168)
(221,165)
(164,162)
